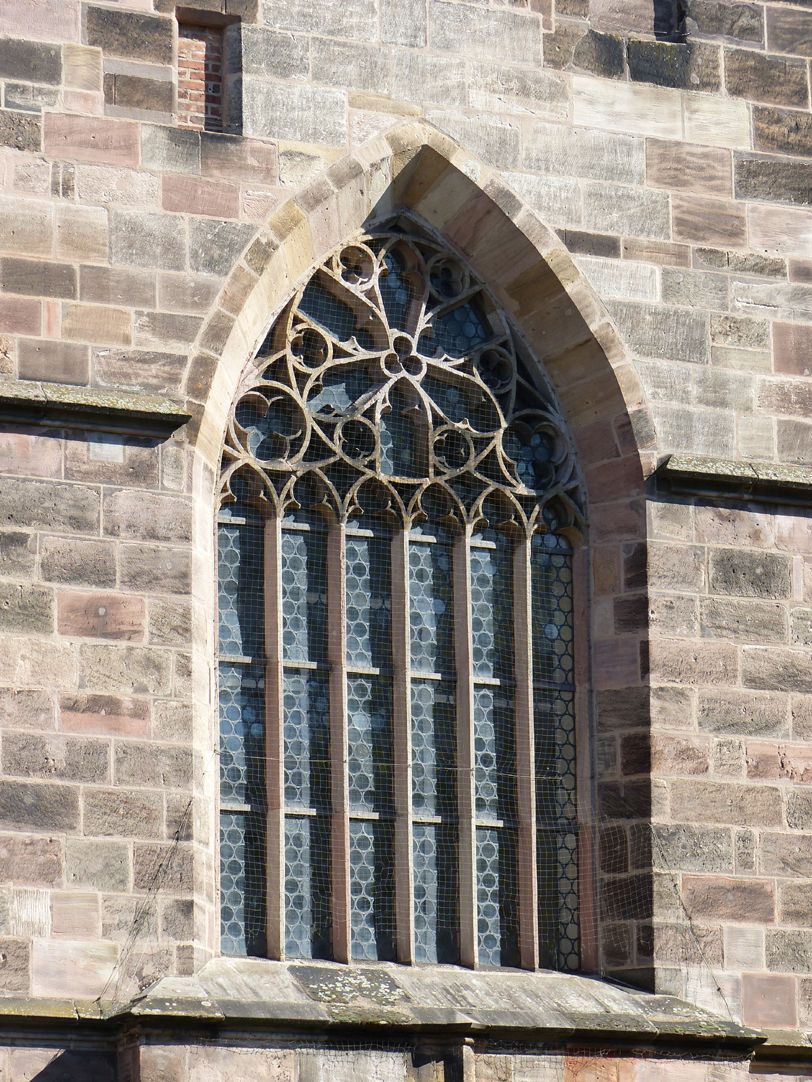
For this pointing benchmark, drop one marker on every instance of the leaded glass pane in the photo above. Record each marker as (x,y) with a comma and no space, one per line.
(430,612)
(304,595)
(242,733)
(434,855)
(307,887)
(306,740)
(494,754)
(492,611)
(368,593)
(496,895)
(372,890)
(433,747)
(369,740)
(240,599)
(242,888)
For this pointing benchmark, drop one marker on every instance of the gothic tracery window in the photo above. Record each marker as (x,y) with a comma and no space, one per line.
(396,629)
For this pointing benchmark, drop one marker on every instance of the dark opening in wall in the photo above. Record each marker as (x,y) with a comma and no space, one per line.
(209,72)
(669,20)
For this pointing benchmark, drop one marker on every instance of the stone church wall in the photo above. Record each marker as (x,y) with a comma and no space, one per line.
(669,150)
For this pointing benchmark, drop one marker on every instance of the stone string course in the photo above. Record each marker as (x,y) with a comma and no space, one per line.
(674,312)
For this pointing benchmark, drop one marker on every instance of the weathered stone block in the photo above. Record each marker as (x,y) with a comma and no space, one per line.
(20,709)
(100,615)
(743,621)
(679,165)
(789,30)
(745,713)
(136,92)
(30,61)
(695,289)
(721,18)
(775,669)
(653,331)
(124,813)
(693,849)
(129,34)
(785,131)
(139,370)
(302,113)
(148,240)
(776,179)
(356,19)
(15,965)
(685,66)
(170,622)
(197,195)
(630,107)
(157,766)
(106,715)
(769,1001)
(173,864)
(166,330)
(403,22)
(583,153)
(91,139)
(49,505)
(81,234)
(83,66)
(480,32)
(66,758)
(708,221)
(740,331)
(37,277)
(18,131)
(147,516)
(66,969)
(774,80)
(155,568)
(721,802)
(749,574)
(495,140)
(26,608)
(789,951)
(577,46)
(38,806)
(134,669)
(215,246)
(170,149)
(726,898)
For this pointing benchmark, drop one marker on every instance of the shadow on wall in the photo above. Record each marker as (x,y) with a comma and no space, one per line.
(78,1065)
(669,19)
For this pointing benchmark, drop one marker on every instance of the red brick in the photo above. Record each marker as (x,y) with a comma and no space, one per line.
(100,615)
(91,139)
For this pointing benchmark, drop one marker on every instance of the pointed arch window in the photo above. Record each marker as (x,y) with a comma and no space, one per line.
(399,502)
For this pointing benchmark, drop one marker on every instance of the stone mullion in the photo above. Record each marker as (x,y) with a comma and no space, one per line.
(465,748)
(274,748)
(339,757)
(525,755)
(402,740)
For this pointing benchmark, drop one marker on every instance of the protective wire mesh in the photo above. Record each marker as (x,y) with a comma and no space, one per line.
(392,366)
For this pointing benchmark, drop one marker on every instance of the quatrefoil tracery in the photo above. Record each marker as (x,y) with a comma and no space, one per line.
(392,381)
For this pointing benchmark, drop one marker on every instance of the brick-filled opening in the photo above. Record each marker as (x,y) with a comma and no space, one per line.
(201,96)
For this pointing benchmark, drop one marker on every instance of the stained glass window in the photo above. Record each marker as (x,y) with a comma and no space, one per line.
(396,671)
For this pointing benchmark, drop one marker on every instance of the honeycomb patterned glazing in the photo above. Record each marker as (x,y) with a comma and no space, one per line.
(372,890)
(307,887)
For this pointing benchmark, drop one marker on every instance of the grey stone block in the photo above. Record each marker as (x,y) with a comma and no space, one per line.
(39,806)
(171,149)
(129,34)
(148,240)
(305,114)
(30,61)
(481,32)
(654,331)
(98,865)
(581,152)
(215,246)
(749,574)
(49,505)
(354,19)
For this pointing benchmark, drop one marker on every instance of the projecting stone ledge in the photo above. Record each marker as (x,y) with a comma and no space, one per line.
(769,482)
(58,405)
(548,1007)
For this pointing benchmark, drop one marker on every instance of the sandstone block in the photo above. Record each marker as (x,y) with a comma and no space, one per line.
(577,46)
(579,241)
(695,289)
(97,323)
(81,234)
(130,669)
(789,30)
(801,627)
(75,916)
(779,180)
(740,331)
(148,240)
(662,252)
(769,1001)
(795,903)
(745,713)
(172,721)
(716,121)
(786,855)
(482,32)
(716,18)
(105,185)
(82,66)
(692,848)
(33,861)
(403,22)
(784,131)
(653,331)
(675,64)
(140,370)
(629,107)
(679,165)
(744,947)
(165,766)
(749,574)
(37,277)
(774,80)
(721,898)
(65,758)
(146,516)
(155,568)
(743,621)
(177,919)
(39,806)
(105,715)
(26,709)
(20,315)
(792,348)
(301,113)
(26,226)
(123,813)
(49,505)
(135,92)
(30,61)
(170,149)
(91,139)
(129,34)
(238,159)
(170,622)
(166,330)
(799,808)
(775,669)
(789,951)
(708,221)
(106,285)
(75,560)
(18,131)
(725,803)
(197,195)
(100,615)
(26,608)
(214,246)
(356,19)
(496,141)
(794,441)
(172,866)
(550,196)
(17,554)
(15,964)
(66,968)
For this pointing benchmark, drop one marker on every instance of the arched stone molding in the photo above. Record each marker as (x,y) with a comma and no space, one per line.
(551,304)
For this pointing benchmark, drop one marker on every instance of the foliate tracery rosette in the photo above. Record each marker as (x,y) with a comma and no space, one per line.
(392,384)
